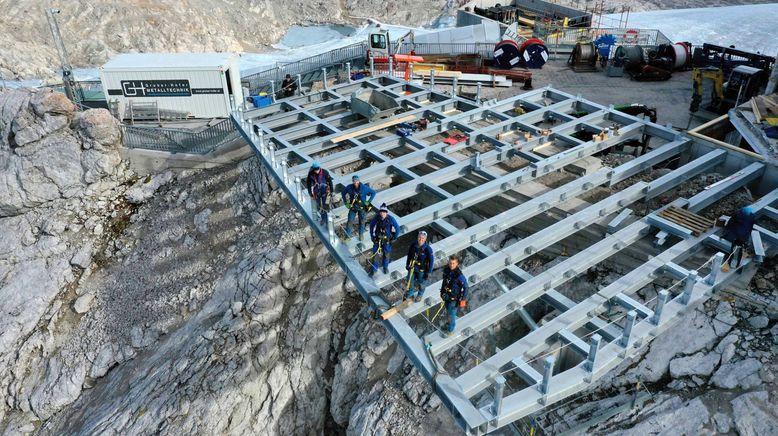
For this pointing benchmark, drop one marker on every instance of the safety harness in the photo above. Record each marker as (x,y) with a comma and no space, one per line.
(447,290)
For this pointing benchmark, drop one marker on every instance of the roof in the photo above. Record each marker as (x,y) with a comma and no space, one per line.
(157,61)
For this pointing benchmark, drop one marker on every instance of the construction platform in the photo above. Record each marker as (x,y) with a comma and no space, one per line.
(526,185)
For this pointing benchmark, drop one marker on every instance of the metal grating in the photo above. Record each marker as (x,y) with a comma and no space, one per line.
(514,147)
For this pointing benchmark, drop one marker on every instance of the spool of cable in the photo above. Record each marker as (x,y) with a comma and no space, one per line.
(534,53)
(630,55)
(506,54)
(682,52)
(604,44)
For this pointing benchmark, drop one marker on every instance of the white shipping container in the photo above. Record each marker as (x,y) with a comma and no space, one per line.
(203,85)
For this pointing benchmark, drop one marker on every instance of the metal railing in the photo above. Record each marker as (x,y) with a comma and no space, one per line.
(485,49)
(180,140)
(258,81)
(565,40)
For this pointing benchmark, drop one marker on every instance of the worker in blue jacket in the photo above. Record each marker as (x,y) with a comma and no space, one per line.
(418,263)
(453,292)
(319,183)
(738,232)
(383,231)
(357,197)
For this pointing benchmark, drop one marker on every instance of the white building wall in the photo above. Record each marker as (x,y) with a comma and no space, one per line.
(205,105)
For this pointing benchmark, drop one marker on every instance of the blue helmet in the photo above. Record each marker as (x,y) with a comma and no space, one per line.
(748,210)
(315,165)
(355,178)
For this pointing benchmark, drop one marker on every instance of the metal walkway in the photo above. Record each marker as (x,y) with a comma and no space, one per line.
(528,173)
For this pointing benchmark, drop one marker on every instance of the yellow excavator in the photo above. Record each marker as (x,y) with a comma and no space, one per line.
(743,83)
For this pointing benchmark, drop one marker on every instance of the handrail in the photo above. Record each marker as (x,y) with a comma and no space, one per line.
(176,140)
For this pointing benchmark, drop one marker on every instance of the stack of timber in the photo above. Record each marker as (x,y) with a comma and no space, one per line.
(466,79)
(520,75)
(765,108)
(696,223)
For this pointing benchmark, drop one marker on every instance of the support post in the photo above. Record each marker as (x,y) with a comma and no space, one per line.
(272,151)
(499,386)
(688,287)
(594,346)
(348,72)
(299,187)
(661,299)
(299,84)
(391,67)
(548,371)
(772,84)
(324,77)
(477,160)
(410,71)
(262,148)
(273,91)
(331,229)
(715,267)
(285,172)
(631,316)
(432,78)
(372,67)
(454,84)
(478,93)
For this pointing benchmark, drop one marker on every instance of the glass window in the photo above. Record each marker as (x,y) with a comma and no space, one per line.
(378,40)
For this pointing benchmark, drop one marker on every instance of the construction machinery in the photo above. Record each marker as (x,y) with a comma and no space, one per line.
(712,93)
(583,58)
(380,46)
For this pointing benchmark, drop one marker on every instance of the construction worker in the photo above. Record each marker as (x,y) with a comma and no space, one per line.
(453,292)
(288,86)
(383,231)
(319,184)
(418,263)
(357,198)
(738,231)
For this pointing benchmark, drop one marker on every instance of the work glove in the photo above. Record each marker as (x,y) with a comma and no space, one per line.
(348,206)
(462,304)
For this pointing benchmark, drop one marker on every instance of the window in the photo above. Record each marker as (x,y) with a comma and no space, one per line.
(378,40)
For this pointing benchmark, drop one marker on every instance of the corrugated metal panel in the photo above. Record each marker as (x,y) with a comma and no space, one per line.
(199,105)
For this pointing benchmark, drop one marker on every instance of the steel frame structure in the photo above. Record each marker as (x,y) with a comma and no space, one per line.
(540,130)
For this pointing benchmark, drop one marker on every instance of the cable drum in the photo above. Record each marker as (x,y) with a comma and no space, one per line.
(506,54)
(534,53)
(681,51)
(630,54)
(584,52)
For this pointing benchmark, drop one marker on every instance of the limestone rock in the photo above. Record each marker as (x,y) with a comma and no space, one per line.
(697,364)
(100,126)
(84,302)
(759,321)
(201,220)
(83,257)
(145,188)
(723,422)
(743,374)
(725,319)
(754,415)
(675,418)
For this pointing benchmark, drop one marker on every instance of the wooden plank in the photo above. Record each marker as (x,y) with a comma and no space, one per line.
(684,222)
(755,109)
(371,129)
(686,215)
(527,21)
(397,308)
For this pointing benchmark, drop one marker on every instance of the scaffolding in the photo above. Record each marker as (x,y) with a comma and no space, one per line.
(554,342)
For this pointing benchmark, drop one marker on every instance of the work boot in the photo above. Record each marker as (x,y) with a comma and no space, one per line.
(417,299)
(361,237)
(371,273)
(446,333)
(386,270)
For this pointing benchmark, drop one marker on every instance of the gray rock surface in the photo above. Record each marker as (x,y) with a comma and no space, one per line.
(145,188)
(755,415)
(673,416)
(743,374)
(697,364)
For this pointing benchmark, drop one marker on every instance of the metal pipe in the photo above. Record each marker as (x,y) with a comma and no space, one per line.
(661,299)
(372,67)
(631,316)
(478,93)
(432,78)
(272,151)
(410,71)
(454,86)
(691,280)
(715,267)
(299,84)
(273,91)
(594,346)
(391,66)
(324,77)
(262,148)
(348,72)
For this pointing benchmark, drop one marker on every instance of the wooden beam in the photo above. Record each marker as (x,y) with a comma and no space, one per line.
(374,128)
(396,309)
